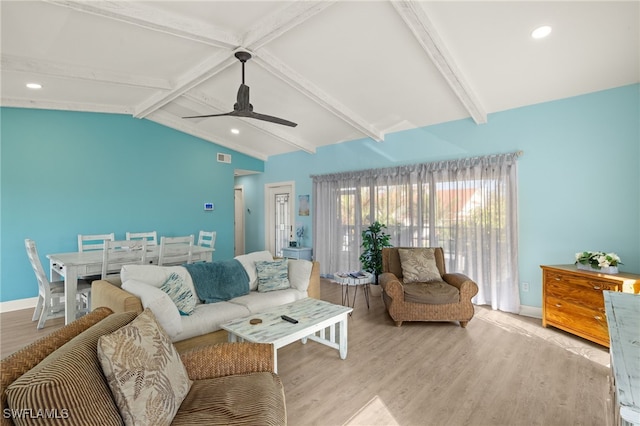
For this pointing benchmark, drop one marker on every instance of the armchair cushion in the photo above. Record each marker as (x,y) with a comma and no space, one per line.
(248,399)
(144,371)
(436,293)
(418,265)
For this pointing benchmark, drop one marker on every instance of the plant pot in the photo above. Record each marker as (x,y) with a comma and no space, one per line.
(607,270)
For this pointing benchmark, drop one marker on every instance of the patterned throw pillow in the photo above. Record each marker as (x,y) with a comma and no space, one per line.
(419,265)
(144,371)
(273,275)
(181,295)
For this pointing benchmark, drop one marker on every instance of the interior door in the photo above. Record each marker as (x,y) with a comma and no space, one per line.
(279,218)
(238,199)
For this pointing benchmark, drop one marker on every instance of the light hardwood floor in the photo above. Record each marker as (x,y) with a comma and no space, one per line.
(422,373)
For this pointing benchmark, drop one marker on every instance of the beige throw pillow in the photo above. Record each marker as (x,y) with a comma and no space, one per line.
(419,265)
(144,371)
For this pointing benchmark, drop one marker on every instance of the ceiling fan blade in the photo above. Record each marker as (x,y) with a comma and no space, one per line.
(270,118)
(211,115)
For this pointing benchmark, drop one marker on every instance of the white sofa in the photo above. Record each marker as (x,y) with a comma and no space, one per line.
(140,289)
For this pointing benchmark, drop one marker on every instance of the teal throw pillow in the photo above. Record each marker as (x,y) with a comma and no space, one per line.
(273,275)
(180,294)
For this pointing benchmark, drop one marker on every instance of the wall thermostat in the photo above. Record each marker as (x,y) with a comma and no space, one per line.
(208,207)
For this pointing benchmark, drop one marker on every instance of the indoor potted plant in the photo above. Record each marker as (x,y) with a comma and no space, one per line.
(374,239)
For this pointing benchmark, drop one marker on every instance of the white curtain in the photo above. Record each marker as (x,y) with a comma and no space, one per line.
(467,206)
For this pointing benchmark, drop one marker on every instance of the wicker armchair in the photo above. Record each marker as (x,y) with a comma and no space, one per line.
(394,292)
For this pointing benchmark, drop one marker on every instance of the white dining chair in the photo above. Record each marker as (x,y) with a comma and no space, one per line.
(151,237)
(118,253)
(51,293)
(94,241)
(175,250)
(207,239)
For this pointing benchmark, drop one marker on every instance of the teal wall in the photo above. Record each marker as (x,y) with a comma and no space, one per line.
(65,173)
(579,178)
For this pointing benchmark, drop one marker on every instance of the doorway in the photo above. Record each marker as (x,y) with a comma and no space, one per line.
(279,208)
(238,223)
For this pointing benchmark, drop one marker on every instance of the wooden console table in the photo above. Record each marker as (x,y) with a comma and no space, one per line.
(573,300)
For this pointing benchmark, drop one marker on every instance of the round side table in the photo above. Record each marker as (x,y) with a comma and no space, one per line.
(352,279)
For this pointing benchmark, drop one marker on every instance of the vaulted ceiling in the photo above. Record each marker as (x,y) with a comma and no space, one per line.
(342,70)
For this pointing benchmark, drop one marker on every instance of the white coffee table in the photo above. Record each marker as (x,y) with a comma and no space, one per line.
(314,318)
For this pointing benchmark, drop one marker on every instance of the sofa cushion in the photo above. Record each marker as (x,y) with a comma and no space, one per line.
(155,275)
(419,265)
(144,371)
(433,293)
(70,382)
(249,399)
(257,302)
(249,260)
(273,275)
(159,302)
(300,273)
(180,294)
(207,318)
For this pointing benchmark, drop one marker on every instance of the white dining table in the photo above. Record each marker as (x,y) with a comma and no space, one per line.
(70,266)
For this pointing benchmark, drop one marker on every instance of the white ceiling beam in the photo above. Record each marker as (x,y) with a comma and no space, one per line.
(273,26)
(135,13)
(63,106)
(268,129)
(297,81)
(170,120)
(416,19)
(191,78)
(20,64)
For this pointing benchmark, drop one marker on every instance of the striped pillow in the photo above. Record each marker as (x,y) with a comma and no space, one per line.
(181,295)
(273,275)
(69,383)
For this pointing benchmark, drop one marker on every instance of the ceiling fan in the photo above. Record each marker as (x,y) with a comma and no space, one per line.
(243,108)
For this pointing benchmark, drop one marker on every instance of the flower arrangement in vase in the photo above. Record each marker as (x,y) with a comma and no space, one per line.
(598,261)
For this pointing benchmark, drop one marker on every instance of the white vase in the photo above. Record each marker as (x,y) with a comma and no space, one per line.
(607,270)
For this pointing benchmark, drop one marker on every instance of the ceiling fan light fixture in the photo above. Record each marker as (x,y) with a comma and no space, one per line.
(541,32)
(34,86)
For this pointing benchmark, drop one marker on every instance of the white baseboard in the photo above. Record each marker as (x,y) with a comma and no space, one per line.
(530,311)
(16,305)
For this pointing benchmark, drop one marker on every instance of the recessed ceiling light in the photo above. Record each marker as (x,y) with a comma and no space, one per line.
(541,32)
(34,86)
(235,131)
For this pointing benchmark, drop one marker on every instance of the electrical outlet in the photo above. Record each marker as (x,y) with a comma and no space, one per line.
(525,286)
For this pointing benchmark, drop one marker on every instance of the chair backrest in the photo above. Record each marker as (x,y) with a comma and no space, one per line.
(207,239)
(151,237)
(44,287)
(391,260)
(175,250)
(94,242)
(118,253)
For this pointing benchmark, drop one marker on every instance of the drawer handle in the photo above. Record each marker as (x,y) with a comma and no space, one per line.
(557,278)
(598,317)
(558,305)
(596,287)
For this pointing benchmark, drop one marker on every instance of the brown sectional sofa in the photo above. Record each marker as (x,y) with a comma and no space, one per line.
(59,380)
